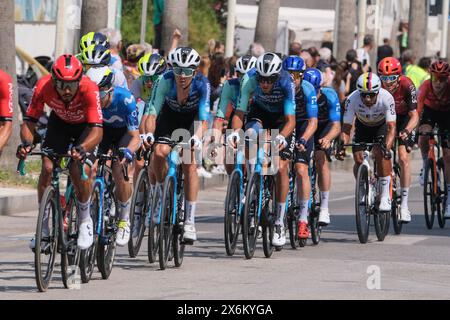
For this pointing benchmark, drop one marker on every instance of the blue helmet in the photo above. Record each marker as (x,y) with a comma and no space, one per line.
(313,76)
(294,63)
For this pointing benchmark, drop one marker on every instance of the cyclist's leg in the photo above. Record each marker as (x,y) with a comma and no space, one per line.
(365,134)
(427,122)
(384,171)
(405,171)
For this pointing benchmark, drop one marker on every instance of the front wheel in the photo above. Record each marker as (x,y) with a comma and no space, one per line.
(250,218)
(87,257)
(232,215)
(442,194)
(362,207)
(268,216)
(429,194)
(165,226)
(396,202)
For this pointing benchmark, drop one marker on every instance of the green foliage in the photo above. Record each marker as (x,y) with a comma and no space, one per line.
(204,22)
(13,179)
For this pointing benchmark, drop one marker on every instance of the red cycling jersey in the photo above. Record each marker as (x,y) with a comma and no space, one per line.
(427,98)
(405,96)
(84,108)
(6,97)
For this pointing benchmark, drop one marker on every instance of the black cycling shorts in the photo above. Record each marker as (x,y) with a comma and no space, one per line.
(364,133)
(439,118)
(113,139)
(269,120)
(168,121)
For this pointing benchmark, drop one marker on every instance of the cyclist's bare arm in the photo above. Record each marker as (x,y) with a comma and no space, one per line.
(93,138)
(289,126)
(135,141)
(310,129)
(143,124)
(391,128)
(413,120)
(150,124)
(238,120)
(5,133)
(334,131)
(345,134)
(26,131)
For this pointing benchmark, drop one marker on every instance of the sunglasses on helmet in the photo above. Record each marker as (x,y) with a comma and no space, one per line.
(271,79)
(389,78)
(187,72)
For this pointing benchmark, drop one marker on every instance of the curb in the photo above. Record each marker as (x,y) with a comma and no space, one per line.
(14,201)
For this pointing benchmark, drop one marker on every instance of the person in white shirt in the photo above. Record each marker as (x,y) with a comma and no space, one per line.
(363,53)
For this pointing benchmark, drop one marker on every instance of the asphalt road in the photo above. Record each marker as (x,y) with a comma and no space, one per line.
(414,265)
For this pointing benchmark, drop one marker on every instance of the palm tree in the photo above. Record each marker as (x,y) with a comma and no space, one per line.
(346,16)
(94,15)
(175,17)
(267,24)
(417,33)
(8,64)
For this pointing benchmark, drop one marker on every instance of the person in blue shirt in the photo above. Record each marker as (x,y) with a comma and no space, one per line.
(273,107)
(329,127)
(181,99)
(120,134)
(306,125)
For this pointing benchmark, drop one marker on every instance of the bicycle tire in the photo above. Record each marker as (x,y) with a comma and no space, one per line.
(428,194)
(165,226)
(396,201)
(252,200)
(70,254)
(292,217)
(268,216)
(231,215)
(142,185)
(153,230)
(178,245)
(48,248)
(442,192)
(362,209)
(89,255)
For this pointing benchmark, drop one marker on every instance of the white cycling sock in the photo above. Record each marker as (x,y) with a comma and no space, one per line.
(190,212)
(125,210)
(304,210)
(384,182)
(84,210)
(405,193)
(324,196)
(281,208)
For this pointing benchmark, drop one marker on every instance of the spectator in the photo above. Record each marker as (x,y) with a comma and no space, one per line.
(418,74)
(306,56)
(363,53)
(354,68)
(402,37)
(295,48)
(216,76)
(341,81)
(256,49)
(327,41)
(204,66)
(325,58)
(134,53)
(314,55)
(115,42)
(384,51)
(158,11)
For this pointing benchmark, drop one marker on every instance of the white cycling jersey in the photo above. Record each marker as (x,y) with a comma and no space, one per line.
(382,111)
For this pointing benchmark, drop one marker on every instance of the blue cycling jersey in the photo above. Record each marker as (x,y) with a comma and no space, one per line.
(329,108)
(230,94)
(281,98)
(306,102)
(122,112)
(166,95)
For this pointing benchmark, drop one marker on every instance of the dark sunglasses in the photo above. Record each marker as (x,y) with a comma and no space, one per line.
(271,79)
(147,79)
(63,85)
(369,95)
(104,92)
(438,78)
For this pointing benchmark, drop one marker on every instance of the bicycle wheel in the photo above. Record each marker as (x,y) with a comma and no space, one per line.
(429,194)
(177,243)
(139,207)
(362,209)
(315,228)
(88,256)
(268,215)
(46,239)
(70,255)
(250,219)
(292,217)
(381,224)
(165,226)
(232,217)
(153,229)
(442,193)
(396,201)
(106,250)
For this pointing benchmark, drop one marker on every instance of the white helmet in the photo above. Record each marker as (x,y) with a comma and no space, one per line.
(184,57)
(268,64)
(245,63)
(368,83)
(102,76)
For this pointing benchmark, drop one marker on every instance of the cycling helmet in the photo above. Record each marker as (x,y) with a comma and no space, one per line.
(294,63)
(102,76)
(93,38)
(96,54)
(268,64)
(151,64)
(368,83)
(314,76)
(67,68)
(440,68)
(389,66)
(184,57)
(245,63)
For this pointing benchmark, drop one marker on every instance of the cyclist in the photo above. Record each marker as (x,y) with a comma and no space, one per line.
(181,97)
(6,108)
(120,133)
(328,129)
(273,107)
(374,109)
(306,125)
(434,107)
(229,95)
(405,96)
(151,67)
(76,114)
(97,55)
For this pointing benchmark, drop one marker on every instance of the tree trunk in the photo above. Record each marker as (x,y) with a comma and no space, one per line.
(417,33)
(267,24)
(345,28)
(175,17)
(94,15)
(8,64)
